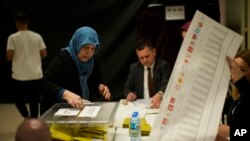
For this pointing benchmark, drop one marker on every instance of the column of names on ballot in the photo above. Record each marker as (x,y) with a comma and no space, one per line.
(198,84)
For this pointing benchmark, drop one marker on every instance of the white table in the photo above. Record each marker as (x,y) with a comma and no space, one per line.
(118,133)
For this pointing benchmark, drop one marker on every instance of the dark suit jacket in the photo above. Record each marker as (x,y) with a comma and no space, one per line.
(161,74)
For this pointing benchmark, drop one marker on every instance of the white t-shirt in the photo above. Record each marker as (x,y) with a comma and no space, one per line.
(26,62)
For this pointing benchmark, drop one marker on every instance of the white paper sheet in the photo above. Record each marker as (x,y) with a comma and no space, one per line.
(194,98)
(67,112)
(125,111)
(144,103)
(90,111)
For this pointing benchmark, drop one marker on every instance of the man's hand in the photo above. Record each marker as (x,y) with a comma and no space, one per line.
(73,99)
(131,96)
(156,100)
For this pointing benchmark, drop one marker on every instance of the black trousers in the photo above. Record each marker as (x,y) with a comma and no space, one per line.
(27,92)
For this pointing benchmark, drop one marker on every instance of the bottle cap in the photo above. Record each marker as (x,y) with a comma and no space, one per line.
(135,114)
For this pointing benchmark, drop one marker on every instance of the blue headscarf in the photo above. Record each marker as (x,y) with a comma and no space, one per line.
(82,36)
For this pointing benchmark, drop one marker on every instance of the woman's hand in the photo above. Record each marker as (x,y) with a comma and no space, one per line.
(104,90)
(131,96)
(73,99)
(223,133)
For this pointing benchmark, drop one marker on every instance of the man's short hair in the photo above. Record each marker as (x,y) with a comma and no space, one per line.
(142,43)
(22,17)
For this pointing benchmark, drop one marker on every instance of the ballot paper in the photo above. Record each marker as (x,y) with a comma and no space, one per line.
(144,103)
(194,98)
(90,111)
(67,112)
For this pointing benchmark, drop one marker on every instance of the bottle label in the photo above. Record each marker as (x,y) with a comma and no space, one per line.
(134,133)
(134,126)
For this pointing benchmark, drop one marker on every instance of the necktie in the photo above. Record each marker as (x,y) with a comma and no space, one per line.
(150,82)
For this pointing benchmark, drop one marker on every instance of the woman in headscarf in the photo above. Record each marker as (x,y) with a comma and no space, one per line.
(239,112)
(66,78)
(184,29)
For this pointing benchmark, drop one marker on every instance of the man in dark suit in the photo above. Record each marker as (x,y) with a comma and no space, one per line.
(149,76)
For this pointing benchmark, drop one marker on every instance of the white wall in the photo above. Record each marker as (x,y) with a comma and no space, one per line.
(235,15)
(248,23)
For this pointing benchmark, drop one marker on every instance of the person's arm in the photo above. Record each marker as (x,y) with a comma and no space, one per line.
(73,99)
(223,133)
(42,47)
(104,90)
(43,53)
(96,85)
(10,49)
(52,76)
(129,90)
(55,77)
(131,96)
(9,54)
(164,72)
(165,75)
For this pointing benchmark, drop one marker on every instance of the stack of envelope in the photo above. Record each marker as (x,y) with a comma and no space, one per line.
(145,127)
(76,133)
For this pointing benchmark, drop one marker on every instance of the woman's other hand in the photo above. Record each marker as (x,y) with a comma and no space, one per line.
(104,90)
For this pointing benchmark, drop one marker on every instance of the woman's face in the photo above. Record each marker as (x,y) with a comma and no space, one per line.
(245,68)
(183,34)
(86,52)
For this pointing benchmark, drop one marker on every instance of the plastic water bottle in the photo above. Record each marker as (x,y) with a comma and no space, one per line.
(135,128)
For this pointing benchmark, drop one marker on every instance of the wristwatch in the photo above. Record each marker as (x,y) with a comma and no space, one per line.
(161,93)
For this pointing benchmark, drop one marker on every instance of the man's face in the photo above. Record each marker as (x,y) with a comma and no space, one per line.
(146,56)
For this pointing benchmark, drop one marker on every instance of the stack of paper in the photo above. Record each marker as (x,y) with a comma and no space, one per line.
(67,112)
(145,127)
(88,111)
(68,133)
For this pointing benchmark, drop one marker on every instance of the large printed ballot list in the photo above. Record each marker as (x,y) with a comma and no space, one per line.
(194,98)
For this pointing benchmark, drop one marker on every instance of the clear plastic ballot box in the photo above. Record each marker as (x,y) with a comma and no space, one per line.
(75,127)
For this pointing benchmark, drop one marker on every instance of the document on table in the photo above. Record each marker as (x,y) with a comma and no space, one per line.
(67,112)
(90,111)
(144,103)
(191,108)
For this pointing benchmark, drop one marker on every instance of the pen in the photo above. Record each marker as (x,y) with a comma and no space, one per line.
(89,103)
